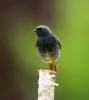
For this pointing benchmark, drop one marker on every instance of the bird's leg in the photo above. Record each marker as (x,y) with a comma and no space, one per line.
(43,65)
(55,67)
(50,66)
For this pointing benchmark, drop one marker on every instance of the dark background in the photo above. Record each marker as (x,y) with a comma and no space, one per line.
(19,63)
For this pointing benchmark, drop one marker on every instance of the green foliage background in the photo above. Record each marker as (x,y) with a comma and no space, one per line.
(72,28)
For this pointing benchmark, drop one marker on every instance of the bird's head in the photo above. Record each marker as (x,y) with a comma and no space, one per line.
(42,30)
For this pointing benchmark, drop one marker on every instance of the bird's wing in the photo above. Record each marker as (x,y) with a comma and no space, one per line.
(58,41)
(59,44)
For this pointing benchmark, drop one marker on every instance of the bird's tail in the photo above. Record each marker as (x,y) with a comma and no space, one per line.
(53,66)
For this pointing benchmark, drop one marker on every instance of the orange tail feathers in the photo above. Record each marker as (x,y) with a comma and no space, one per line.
(53,66)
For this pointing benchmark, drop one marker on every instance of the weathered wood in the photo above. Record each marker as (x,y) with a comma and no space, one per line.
(46,85)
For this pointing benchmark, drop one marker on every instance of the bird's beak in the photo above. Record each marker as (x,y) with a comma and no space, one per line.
(34,30)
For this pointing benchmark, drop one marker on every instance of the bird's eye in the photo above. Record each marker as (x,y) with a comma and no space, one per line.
(39,29)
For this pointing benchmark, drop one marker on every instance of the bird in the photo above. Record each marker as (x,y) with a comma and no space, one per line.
(48,47)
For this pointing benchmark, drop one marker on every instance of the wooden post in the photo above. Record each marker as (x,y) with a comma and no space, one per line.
(46,85)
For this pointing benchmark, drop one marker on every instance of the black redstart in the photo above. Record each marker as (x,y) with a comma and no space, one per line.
(47,46)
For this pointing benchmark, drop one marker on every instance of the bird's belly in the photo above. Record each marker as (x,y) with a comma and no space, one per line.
(48,57)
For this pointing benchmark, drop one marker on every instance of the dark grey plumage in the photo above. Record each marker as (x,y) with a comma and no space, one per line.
(47,46)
